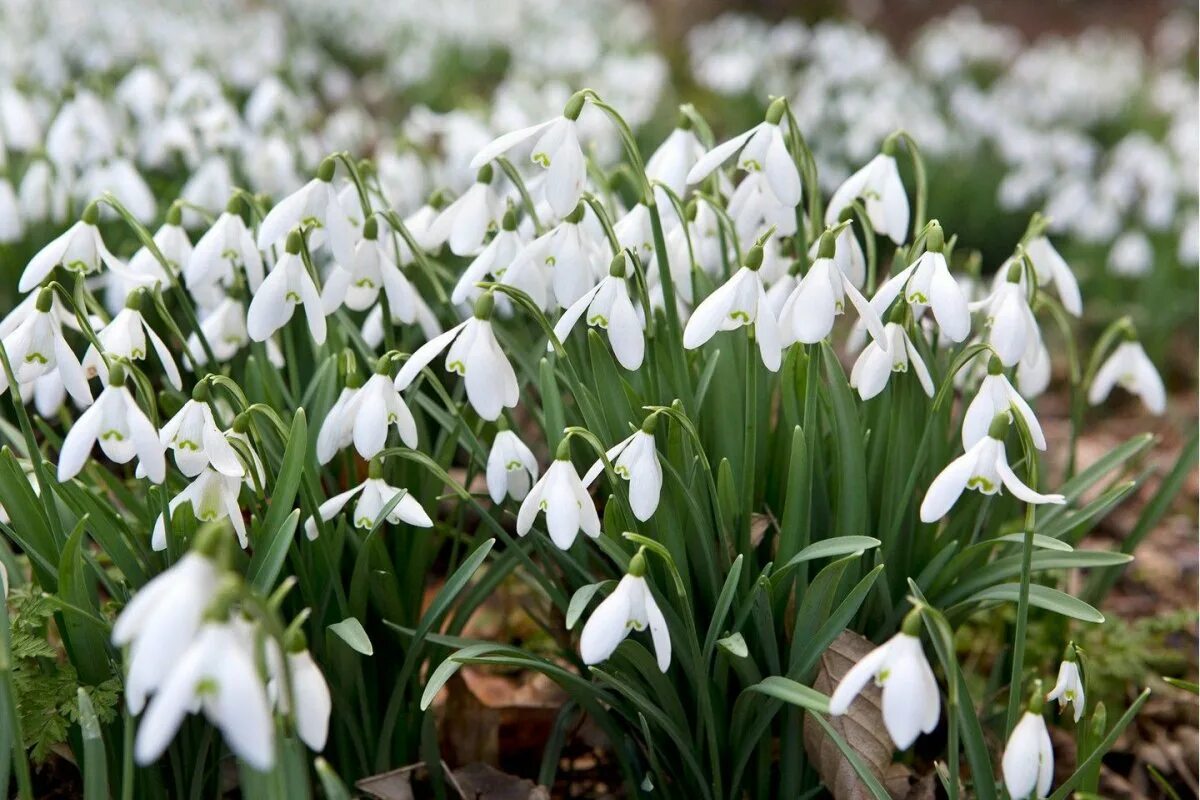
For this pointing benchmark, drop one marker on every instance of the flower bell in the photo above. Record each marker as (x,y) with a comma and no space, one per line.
(1028,761)
(375,408)
(310,693)
(760,149)
(631,606)
(635,459)
(1129,367)
(121,428)
(313,205)
(1051,268)
(675,157)
(556,149)
(192,434)
(337,429)
(927,282)
(145,270)
(288,285)
(984,468)
(607,306)
(564,257)
(1068,689)
(564,499)
(465,222)
(36,348)
(809,311)
(224,251)
(1013,332)
(741,301)
(911,704)
(474,354)
(212,496)
(373,495)
(357,284)
(495,260)
(81,250)
(893,352)
(126,337)
(878,184)
(511,466)
(997,396)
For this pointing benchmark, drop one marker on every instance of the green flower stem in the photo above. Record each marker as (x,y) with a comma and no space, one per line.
(8,694)
(1018,655)
(526,199)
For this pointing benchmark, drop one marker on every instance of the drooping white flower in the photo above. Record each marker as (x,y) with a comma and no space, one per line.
(42,194)
(36,348)
(476,356)
(984,468)
(192,434)
(496,260)
(314,205)
(556,150)
(997,396)
(760,149)
(376,407)
(1051,268)
(808,313)
(288,285)
(1012,331)
(145,270)
(755,209)
(893,352)
(607,306)
(80,249)
(208,187)
(12,227)
(879,186)
(374,493)
(567,253)
(162,618)
(1034,370)
(847,255)
(911,705)
(465,222)
(675,157)
(927,282)
(121,179)
(635,459)
(631,606)
(741,301)
(225,250)
(212,496)
(310,691)
(562,496)
(1129,367)
(1068,689)
(216,674)
(224,327)
(511,466)
(1028,761)
(121,428)
(126,337)
(358,283)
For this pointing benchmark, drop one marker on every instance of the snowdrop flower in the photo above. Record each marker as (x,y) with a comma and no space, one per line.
(847,252)
(375,408)
(567,253)
(1051,268)
(1028,761)
(121,179)
(984,468)
(220,254)
(310,691)
(511,467)
(125,337)
(741,301)
(121,428)
(562,496)
(878,185)
(760,149)
(476,356)
(192,434)
(209,186)
(631,606)
(893,352)
(224,327)
(42,194)
(607,306)
(79,250)
(1130,368)
(464,223)
(911,705)
(675,157)
(1132,255)
(809,311)
(495,260)
(928,282)
(36,348)
(1012,330)
(162,618)
(216,675)
(1068,690)
(374,493)
(145,270)
(357,283)
(635,459)
(289,284)
(12,227)
(212,496)
(314,205)
(997,396)
(337,430)
(1034,370)
(556,150)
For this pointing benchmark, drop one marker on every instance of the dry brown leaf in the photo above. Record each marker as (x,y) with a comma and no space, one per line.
(483,782)
(862,728)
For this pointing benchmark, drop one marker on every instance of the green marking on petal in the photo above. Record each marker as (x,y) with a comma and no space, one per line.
(982,484)
(457,367)
(541,159)
(598,320)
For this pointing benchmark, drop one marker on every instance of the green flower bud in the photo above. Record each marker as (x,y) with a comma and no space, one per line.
(175,214)
(574,106)
(91,213)
(484,306)
(295,241)
(370,228)
(776,110)
(935,239)
(326,170)
(616,267)
(576,216)
(637,564)
(45,300)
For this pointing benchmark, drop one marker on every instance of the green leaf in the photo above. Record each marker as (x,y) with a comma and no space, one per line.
(86,642)
(581,598)
(1041,596)
(1039,540)
(268,561)
(851,455)
(827,548)
(287,482)
(350,631)
(790,691)
(95,760)
(721,610)
(1074,488)
(735,645)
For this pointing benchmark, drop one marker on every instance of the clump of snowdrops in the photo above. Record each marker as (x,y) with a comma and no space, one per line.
(206,484)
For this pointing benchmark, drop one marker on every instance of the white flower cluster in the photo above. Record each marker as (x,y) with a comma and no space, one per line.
(969,90)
